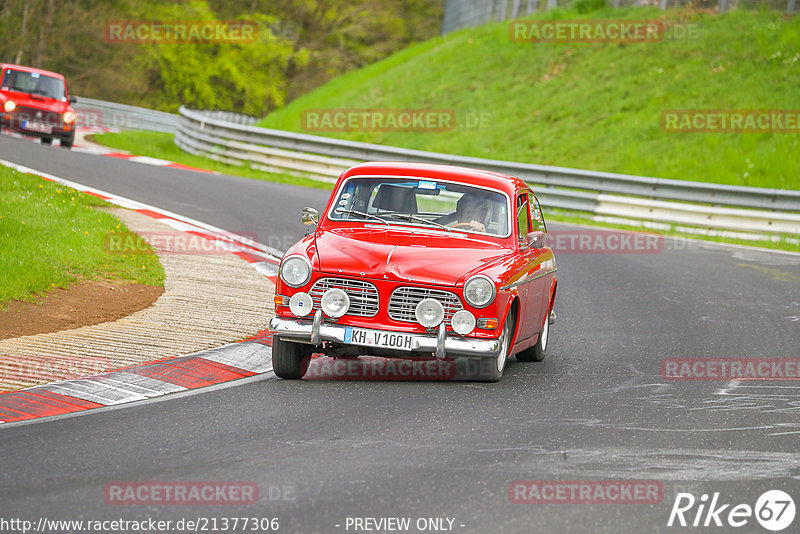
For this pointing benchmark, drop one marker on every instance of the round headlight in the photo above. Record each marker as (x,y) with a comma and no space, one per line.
(463,322)
(9,106)
(295,271)
(335,302)
(479,291)
(301,304)
(429,312)
(69,117)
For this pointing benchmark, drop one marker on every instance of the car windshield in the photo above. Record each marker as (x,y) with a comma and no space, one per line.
(33,83)
(446,206)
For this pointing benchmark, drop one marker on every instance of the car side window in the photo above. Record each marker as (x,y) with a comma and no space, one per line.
(523,216)
(536,216)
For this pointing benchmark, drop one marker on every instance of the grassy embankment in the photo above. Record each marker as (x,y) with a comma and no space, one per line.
(591,106)
(51,236)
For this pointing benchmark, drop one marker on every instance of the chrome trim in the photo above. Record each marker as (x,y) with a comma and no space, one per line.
(552,317)
(517,284)
(441,338)
(364,296)
(316,327)
(454,346)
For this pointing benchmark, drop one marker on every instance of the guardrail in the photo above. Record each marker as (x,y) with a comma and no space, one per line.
(108,115)
(607,195)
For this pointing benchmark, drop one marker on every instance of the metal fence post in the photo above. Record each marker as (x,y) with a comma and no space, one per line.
(723,6)
(791,7)
(662,4)
(552,4)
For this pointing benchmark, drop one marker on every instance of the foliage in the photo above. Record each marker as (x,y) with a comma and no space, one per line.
(302,44)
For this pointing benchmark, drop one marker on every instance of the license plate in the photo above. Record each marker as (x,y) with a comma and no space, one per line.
(372,338)
(37,127)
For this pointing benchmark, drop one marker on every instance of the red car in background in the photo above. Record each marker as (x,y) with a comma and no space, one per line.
(415,260)
(35,102)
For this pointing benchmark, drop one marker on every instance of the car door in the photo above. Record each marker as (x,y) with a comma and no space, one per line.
(546,262)
(531,290)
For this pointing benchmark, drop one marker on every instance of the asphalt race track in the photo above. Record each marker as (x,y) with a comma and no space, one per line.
(321,451)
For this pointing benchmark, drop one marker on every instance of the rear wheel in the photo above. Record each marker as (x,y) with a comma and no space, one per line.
(67,142)
(47,140)
(290,360)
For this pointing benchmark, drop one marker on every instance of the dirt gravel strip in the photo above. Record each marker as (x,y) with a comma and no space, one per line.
(209,300)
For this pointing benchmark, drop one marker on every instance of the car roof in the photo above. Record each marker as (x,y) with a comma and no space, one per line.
(477,177)
(23,68)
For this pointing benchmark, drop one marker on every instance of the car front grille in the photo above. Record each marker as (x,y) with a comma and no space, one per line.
(404,300)
(30,114)
(363,295)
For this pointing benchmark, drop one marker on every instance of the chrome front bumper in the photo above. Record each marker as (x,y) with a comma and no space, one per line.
(314,331)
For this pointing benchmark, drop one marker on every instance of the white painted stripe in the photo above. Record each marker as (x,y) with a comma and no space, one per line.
(143,385)
(250,356)
(93,390)
(150,161)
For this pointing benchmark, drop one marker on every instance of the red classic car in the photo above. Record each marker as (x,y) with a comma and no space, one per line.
(35,102)
(416,260)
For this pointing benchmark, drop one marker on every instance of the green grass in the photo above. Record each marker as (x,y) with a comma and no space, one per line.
(52,236)
(161,145)
(591,106)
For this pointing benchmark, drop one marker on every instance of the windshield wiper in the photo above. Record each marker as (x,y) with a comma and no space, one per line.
(412,217)
(356,212)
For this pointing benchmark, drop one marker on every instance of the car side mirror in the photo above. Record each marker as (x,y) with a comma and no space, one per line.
(309,216)
(72,99)
(535,239)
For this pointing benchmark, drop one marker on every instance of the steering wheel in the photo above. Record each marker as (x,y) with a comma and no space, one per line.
(469,225)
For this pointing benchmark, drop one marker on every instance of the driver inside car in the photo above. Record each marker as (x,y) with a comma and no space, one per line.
(472,212)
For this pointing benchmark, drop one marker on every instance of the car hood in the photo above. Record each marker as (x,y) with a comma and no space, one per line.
(43,103)
(404,255)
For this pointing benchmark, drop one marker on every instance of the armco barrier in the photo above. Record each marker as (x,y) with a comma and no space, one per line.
(696,204)
(100,114)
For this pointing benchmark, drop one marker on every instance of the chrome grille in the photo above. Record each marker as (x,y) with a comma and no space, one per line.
(363,295)
(404,301)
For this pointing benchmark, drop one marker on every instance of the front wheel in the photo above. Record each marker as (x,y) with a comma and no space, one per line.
(537,352)
(505,345)
(47,140)
(290,360)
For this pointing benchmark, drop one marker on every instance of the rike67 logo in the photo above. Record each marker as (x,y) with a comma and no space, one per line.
(774,510)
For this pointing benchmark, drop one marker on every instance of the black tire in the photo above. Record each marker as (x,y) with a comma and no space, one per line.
(67,143)
(47,140)
(537,352)
(509,327)
(290,360)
